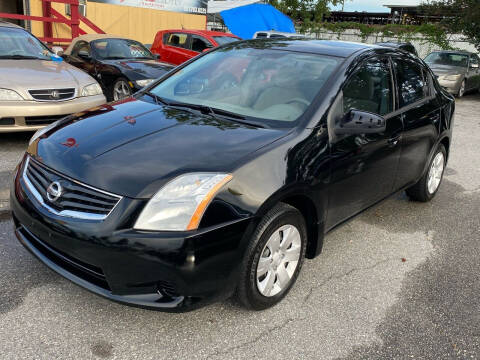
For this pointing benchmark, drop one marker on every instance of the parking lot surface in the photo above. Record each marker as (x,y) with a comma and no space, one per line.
(400,281)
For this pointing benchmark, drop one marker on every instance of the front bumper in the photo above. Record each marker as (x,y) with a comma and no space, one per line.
(33,115)
(169,271)
(453,87)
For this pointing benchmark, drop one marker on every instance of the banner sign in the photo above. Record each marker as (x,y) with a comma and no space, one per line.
(184,6)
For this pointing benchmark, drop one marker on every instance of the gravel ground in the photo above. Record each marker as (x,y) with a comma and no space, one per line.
(400,281)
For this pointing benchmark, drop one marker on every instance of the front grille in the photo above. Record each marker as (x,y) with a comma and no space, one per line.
(67,197)
(42,120)
(88,272)
(52,94)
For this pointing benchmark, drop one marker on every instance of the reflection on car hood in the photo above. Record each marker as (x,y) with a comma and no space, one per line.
(148,69)
(145,145)
(21,75)
(447,69)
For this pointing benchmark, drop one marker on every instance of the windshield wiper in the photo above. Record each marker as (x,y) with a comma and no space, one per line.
(114,58)
(157,98)
(21,57)
(214,111)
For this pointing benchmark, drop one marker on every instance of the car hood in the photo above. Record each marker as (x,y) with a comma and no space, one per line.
(447,69)
(23,75)
(134,147)
(141,69)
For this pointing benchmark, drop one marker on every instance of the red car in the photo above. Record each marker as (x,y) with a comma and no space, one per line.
(178,46)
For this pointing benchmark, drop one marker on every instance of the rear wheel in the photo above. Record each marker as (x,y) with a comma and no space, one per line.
(426,188)
(273,259)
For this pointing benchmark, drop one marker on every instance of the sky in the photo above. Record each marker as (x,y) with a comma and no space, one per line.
(374,5)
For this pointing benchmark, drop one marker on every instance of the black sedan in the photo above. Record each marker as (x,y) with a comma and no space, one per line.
(121,66)
(224,175)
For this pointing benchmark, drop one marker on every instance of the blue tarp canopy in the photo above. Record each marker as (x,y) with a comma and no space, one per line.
(244,21)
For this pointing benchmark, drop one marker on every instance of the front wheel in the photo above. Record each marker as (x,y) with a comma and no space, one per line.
(119,90)
(461,91)
(426,188)
(273,259)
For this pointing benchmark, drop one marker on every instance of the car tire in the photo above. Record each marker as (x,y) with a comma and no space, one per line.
(461,90)
(426,188)
(119,86)
(267,275)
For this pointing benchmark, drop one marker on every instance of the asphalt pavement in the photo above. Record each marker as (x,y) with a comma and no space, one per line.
(400,281)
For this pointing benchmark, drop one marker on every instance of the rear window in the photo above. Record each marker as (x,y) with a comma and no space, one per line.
(178,40)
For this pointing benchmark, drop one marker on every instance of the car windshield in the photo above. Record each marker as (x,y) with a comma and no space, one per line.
(222,40)
(271,87)
(120,49)
(451,59)
(20,44)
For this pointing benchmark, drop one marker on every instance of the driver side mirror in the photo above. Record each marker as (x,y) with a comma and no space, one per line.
(85,55)
(360,122)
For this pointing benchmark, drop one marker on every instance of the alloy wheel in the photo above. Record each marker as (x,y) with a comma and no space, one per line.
(435,173)
(121,90)
(278,260)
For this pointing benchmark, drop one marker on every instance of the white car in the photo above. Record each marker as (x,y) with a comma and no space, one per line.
(275,34)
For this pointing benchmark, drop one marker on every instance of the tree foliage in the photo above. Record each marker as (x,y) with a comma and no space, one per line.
(459,16)
(305,12)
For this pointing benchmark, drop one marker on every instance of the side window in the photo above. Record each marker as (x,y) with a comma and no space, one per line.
(81,48)
(261,35)
(410,82)
(199,44)
(370,88)
(177,40)
(474,61)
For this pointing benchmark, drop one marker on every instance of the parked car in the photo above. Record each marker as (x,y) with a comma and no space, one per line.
(121,66)
(223,176)
(457,71)
(36,87)
(276,34)
(400,45)
(177,46)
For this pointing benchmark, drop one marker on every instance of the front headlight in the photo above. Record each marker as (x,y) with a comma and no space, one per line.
(91,90)
(145,82)
(452,77)
(180,204)
(9,95)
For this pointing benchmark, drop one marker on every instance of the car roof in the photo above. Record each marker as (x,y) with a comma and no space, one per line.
(321,47)
(201,32)
(92,37)
(9,24)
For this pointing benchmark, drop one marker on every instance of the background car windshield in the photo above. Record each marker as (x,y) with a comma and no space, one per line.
(120,49)
(222,40)
(19,43)
(272,86)
(450,59)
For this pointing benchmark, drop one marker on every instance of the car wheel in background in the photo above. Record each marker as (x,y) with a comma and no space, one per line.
(119,90)
(273,259)
(426,188)
(461,91)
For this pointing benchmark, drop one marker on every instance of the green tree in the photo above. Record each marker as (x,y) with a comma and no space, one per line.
(459,17)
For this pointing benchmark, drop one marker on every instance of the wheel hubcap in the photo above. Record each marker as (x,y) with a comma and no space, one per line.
(279,260)
(435,173)
(121,90)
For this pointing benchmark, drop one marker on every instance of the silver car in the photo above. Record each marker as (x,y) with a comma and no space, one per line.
(457,71)
(36,86)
